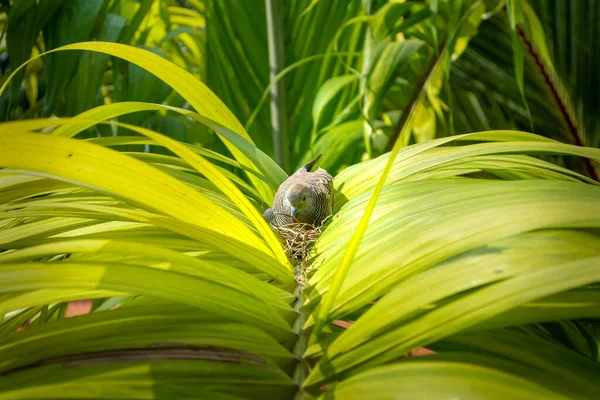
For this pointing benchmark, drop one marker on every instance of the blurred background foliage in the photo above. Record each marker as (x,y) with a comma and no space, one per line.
(354,77)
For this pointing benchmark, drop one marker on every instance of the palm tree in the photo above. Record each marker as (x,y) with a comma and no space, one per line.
(482,247)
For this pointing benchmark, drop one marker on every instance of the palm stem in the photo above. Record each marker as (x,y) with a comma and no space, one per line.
(274,11)
(567,116)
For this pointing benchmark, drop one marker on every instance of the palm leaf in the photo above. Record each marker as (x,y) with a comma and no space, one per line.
(475,245)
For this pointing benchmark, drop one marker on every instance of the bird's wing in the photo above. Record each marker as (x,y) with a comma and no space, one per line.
(331,193)
(323,179)
(322,182)
(269,216)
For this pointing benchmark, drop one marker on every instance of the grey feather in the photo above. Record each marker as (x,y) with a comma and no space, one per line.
(269,216)
(311,191)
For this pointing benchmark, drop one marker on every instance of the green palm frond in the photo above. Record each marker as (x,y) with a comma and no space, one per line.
(483,248)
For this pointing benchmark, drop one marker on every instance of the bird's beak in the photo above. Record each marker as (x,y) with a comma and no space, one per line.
(292,211)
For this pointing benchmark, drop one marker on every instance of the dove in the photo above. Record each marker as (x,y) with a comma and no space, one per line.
(305,197)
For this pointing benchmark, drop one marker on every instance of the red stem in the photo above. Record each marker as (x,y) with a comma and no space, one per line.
(566,115)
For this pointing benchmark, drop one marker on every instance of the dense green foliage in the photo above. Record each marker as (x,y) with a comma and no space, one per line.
(137,155)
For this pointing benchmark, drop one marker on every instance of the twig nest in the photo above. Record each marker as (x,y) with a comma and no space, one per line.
(298,238)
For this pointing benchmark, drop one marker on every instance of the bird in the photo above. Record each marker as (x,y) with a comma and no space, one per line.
(305,197)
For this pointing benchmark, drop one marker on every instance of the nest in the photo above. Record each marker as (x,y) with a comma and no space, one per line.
(299,238)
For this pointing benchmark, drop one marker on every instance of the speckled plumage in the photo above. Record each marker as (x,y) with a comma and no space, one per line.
(311,191)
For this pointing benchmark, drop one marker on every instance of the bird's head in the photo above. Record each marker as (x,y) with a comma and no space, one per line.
(299,198)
